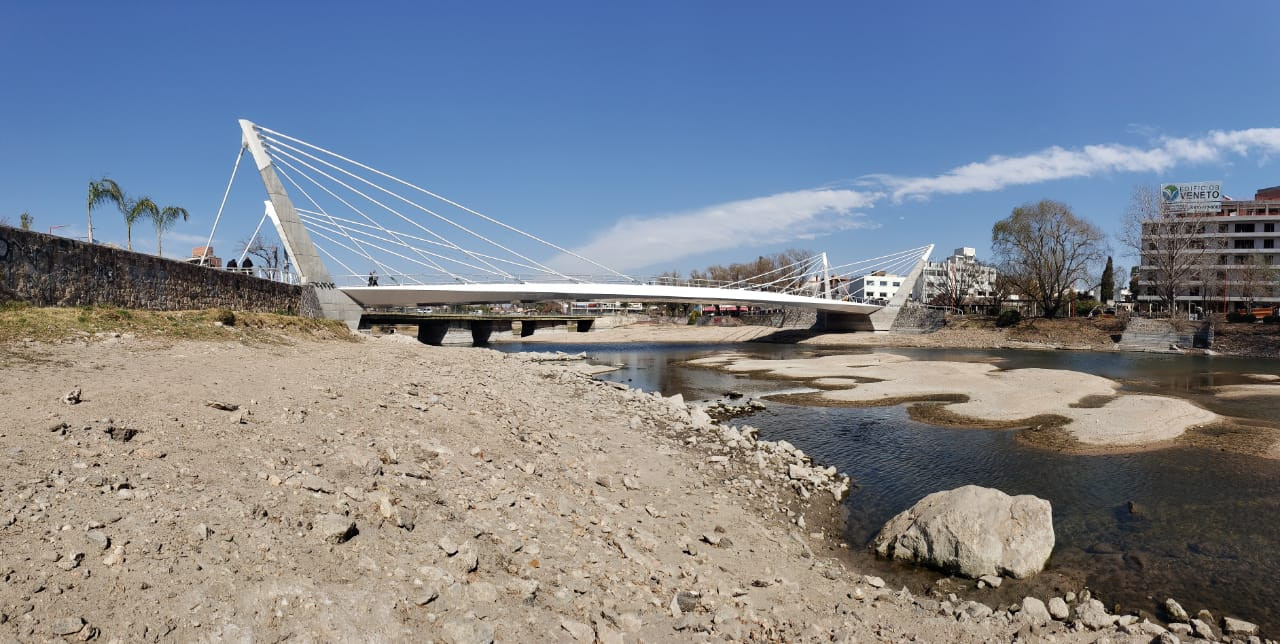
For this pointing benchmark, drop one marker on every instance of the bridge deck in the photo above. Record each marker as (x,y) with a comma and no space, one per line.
(431,294)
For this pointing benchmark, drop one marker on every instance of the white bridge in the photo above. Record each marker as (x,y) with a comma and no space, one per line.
(360,215)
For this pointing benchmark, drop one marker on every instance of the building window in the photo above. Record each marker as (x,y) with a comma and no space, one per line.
(1222,228)
(1241,260)
(1244,243)
(1268,228)
(1244,228)
(1268,243)
(897,283)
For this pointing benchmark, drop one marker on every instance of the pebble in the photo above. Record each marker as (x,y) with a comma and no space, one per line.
(334,528)
(1176,612)
(1034,611)
(1058,609)
(1233,626)
(874,582)
(67,625)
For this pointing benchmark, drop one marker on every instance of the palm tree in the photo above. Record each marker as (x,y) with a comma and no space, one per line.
(134,209)
(163,219)
(100,192)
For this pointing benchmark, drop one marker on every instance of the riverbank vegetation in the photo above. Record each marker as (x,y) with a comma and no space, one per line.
(20,322)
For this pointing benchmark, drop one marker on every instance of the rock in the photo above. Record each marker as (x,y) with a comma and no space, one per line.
(1211,625)
(1203,629)
(1181,629)
(72,561)
(466,631)
(98,538)
(201,532)
(687,601)
(1094,615)
(991,580)
(1176,612)
(974,531)
(874,582)
(315,484)
(1034,611)
(448,546)
(630,483)
(67,625)
(1058,609)
(1238,627)
(72,398)
(334,528)
(578,631)
(224,406)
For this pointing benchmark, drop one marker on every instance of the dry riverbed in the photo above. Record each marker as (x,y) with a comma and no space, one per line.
(385,490)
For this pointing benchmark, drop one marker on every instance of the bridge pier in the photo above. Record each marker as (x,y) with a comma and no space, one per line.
(480,332)
(433,332)
(527,327)
(584,325)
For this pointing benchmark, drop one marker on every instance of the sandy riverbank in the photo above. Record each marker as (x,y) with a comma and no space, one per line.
(1080,335)
(391,491)
(1089,407)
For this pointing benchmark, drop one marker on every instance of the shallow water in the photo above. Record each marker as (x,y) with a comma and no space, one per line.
(1207,527)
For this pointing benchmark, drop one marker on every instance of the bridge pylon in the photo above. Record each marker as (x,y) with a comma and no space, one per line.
(334,304)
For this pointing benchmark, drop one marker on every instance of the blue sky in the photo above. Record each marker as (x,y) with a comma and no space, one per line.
(680,132)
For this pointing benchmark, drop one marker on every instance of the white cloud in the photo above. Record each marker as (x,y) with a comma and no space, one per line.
(808,214)
(1054,163)
(636,242)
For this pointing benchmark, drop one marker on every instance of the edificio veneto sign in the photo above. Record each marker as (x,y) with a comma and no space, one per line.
(1205,196)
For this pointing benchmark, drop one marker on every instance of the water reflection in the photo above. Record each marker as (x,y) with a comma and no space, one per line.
(1202,524)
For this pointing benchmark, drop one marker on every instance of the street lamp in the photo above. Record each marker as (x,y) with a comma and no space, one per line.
(53,228)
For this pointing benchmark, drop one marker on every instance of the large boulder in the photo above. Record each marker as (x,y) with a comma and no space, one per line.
(972,531)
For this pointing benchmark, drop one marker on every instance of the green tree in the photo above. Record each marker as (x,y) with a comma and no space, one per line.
(25,220)
(100,192)
(164,219)
(1108,287)
(133,210)
(1046,250)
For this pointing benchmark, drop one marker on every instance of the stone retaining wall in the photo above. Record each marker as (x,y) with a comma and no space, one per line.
(46,270)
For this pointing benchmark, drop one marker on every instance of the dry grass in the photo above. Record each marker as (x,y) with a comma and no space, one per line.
(19,322)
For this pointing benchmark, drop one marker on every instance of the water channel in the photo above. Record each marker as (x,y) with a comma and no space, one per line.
(1204,526)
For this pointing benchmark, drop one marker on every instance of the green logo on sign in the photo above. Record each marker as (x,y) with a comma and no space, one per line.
(1170,193)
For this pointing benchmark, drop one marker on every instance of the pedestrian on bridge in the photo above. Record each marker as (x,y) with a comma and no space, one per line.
(373,278)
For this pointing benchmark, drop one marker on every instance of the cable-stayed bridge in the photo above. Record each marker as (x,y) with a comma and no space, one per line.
(322,203)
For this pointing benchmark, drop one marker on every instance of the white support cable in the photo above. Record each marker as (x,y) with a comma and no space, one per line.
(350,271)
(385,250)
(451,203)
(342,230)
(235,168)
(245,253)
(306,194)
(278,144)
(401,234)
(748,279)
(375,201)
(390,273)
(276,149)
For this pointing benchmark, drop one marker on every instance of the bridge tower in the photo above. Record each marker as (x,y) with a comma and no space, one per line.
(334,304)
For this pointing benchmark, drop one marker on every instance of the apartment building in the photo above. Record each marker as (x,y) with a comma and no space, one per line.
(1237,264)
(960,272)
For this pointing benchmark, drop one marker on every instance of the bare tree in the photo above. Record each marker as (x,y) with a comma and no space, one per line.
(1256,278)
(270,255)
(958,283)
(1046,250)
(1171,248)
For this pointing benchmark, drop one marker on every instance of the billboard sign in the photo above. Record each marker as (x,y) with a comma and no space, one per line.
(1184,198)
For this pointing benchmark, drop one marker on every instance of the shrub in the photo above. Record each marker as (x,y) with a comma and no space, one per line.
(1084,306)
(225,316)
(1008,318)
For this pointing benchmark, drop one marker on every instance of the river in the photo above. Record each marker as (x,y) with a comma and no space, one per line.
(1197,524)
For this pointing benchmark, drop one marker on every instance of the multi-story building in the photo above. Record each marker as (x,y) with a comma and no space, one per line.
(960,278)
(1232,256)
(872,287)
